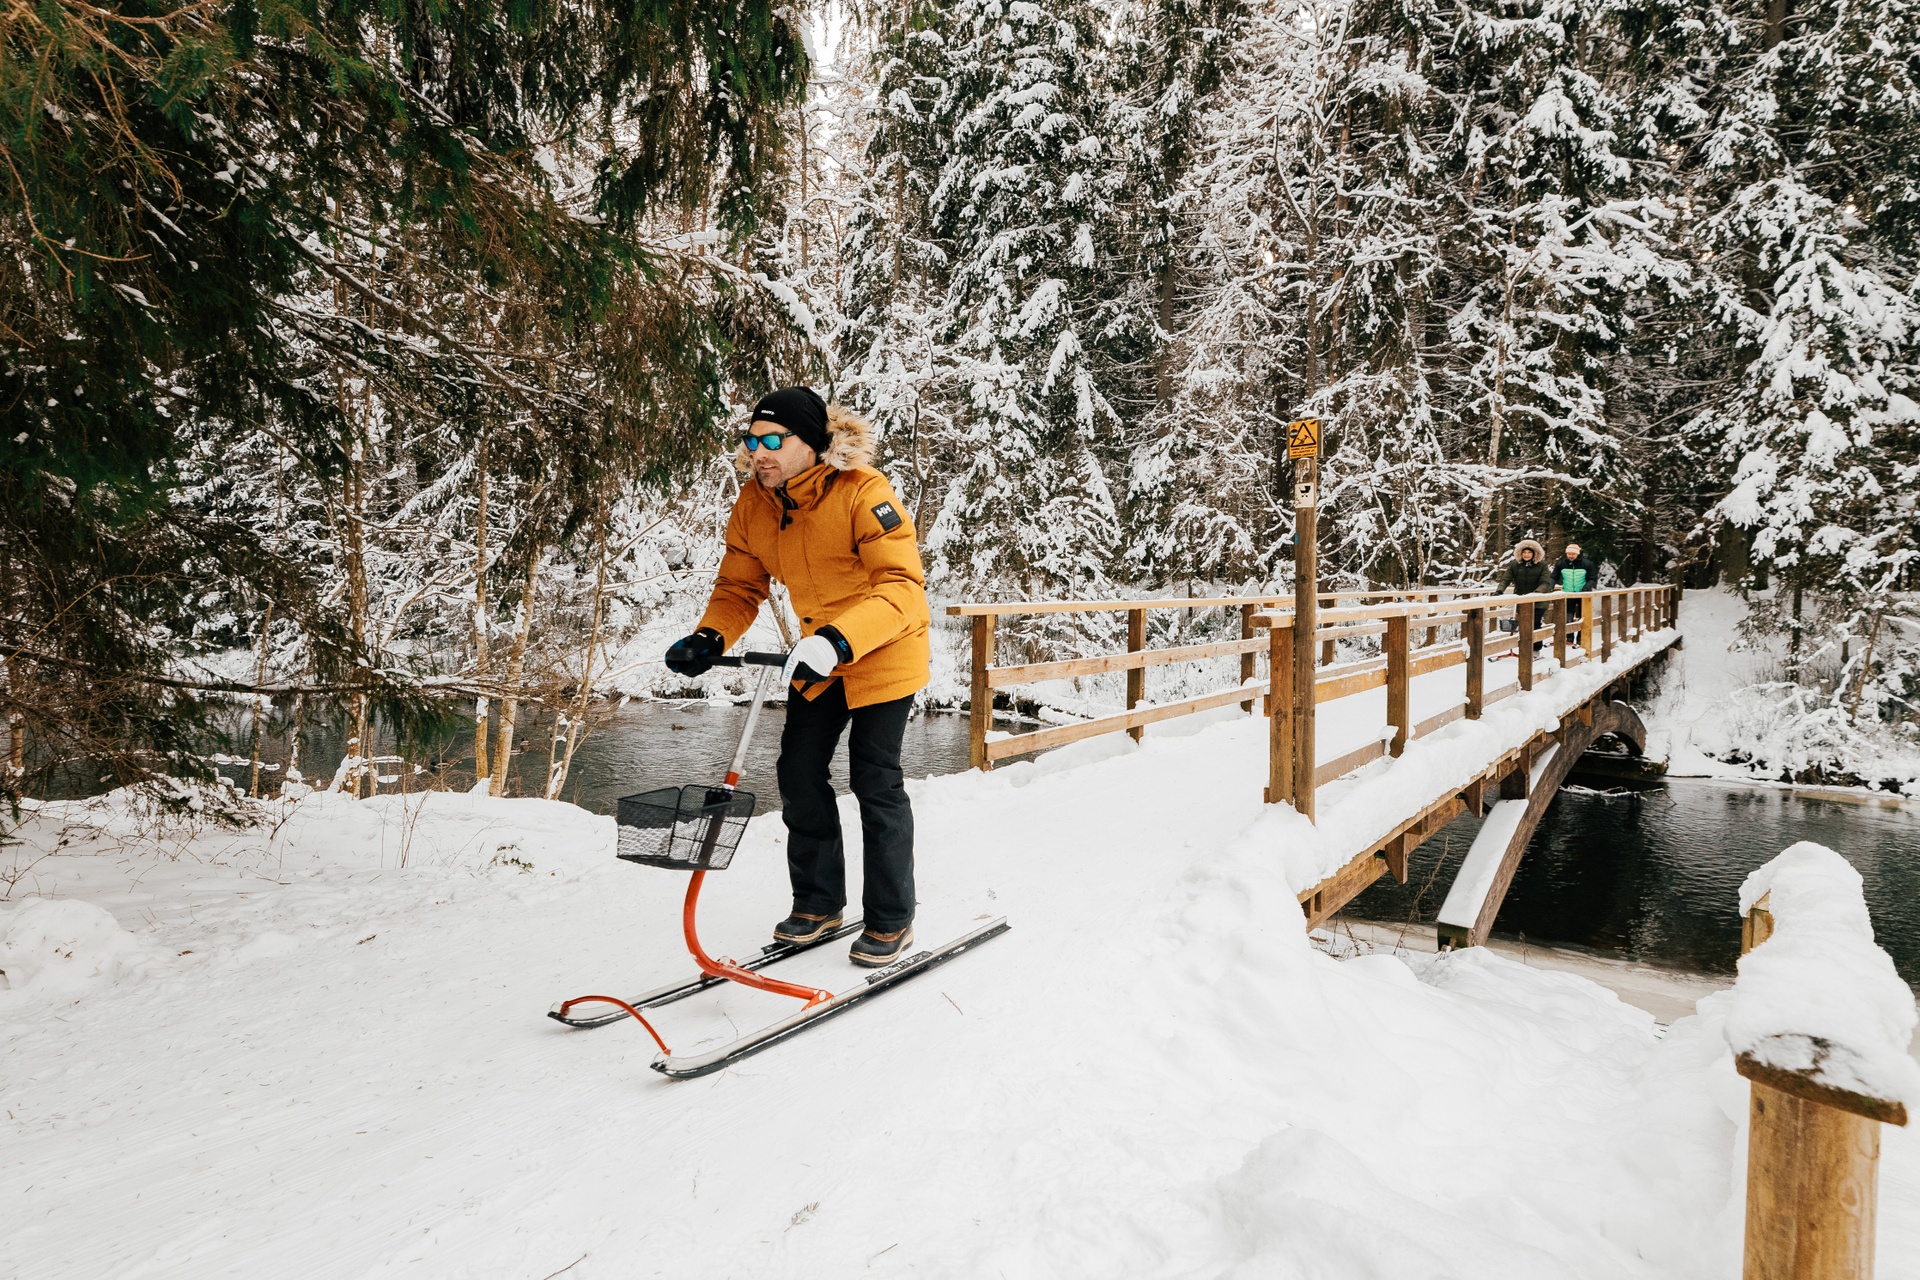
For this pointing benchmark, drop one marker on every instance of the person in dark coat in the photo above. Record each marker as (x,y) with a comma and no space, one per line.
(1573,572)
(1526,574)
(1527,571)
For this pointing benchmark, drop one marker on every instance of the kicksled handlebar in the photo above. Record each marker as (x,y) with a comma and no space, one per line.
(733,659)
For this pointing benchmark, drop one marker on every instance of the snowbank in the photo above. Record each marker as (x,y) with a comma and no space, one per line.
(1723,712)
(1820,978)
(63,946)
(336,1062)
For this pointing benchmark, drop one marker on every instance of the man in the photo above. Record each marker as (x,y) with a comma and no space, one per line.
(825,523)
(1574,572)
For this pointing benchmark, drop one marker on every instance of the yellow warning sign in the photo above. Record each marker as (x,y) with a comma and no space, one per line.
(1303,438)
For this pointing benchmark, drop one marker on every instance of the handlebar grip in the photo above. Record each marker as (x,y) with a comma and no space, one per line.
(732,660)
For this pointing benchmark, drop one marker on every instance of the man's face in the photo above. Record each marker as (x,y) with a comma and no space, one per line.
(774,467)
(1573,551)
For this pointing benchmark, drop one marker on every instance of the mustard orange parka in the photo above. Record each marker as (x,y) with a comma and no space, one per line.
(843,544)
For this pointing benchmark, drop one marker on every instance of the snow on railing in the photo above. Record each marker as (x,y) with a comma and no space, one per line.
(1820,1024)
(1820,999)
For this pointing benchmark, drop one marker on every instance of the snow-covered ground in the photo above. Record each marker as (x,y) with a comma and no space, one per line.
(318,1049)
(1723,711)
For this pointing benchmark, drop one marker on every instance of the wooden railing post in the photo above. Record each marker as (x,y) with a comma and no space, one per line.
(1813,1155)
(1246,659)
(1280,726)
(1757,925)
(1523,651)
(1812,1183)
(1399,683)
(1560,629)
(980,711)
(1586,625)
(1605,605)
(1137,676)
(1476,629)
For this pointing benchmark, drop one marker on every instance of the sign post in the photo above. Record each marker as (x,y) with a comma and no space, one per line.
(1303,447)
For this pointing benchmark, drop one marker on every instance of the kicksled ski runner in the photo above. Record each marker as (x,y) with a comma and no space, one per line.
(697,829)
(828,525)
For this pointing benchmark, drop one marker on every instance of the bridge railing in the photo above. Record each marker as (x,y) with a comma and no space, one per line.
(1466,631)
(985,747)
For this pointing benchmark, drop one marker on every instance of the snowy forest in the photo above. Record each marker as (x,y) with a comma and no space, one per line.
(388,359)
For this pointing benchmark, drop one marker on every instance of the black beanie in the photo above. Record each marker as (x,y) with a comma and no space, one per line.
(798,409)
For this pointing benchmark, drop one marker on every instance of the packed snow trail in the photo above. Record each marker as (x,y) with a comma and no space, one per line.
(1153,1074)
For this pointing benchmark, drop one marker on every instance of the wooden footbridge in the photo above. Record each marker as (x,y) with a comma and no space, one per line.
(1367,674)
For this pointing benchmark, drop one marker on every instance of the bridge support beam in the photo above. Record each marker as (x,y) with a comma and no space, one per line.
(1473,901)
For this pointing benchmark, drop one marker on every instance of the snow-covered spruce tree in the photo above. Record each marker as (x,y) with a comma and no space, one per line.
(895,341)
(1365,188)
(216,234)
(1808,218)
(1559,241)
(1197,485)
(987,137)
(1203,485)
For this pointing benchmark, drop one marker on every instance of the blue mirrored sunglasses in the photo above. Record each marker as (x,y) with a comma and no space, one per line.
(772,440)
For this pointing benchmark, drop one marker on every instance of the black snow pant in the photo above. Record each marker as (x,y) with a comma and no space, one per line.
(816,855)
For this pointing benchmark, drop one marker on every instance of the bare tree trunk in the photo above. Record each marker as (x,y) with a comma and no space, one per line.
(357,608)
(516,667)
(293,745)
(803,186)
(16,701)
(16,731)
(1866,665)
(557,778)
(1793,636)
(259,678)
(481,623)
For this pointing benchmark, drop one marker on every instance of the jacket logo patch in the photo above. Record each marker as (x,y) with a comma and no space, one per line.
(889,518)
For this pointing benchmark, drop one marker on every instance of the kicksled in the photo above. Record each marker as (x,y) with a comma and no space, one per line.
(697,829)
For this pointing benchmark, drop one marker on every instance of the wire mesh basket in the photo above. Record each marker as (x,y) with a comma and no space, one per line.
(684,828)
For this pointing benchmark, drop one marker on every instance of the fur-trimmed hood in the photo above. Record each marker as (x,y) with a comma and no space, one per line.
(1528,544)
(852,444)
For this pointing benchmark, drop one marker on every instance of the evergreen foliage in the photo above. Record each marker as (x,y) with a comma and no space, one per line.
(386,350)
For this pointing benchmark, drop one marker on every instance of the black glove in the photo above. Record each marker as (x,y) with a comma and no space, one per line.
(693,655)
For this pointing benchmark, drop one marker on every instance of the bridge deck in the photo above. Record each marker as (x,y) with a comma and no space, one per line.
(1370,819)
(1368,755)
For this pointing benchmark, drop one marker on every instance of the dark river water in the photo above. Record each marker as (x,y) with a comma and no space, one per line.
(1652,876)
(1655,876)
(644,745)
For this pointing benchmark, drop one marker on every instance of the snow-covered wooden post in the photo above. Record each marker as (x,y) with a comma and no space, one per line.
(1399,682)
(1280,718)
(1303,450)
(1559,616)
(1136,676)
(1476,664)
(1819,1025)
(1246,659)
(1523,651)
(980,713)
